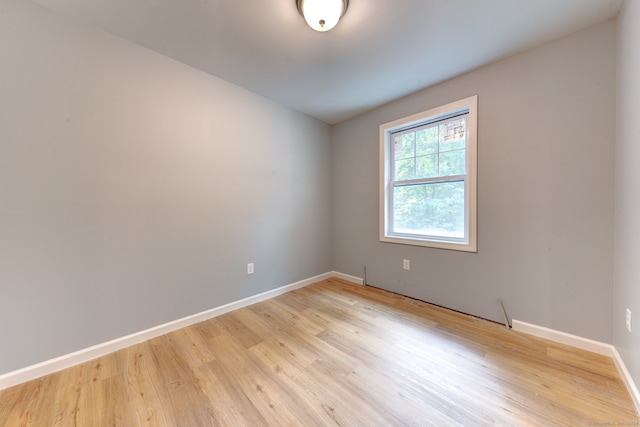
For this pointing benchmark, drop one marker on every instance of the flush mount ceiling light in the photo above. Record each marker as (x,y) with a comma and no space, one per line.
(322,15)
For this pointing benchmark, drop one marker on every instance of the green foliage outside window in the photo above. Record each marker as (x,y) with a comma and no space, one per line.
(430,208)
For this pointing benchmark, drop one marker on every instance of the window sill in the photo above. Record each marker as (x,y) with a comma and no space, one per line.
(432,243)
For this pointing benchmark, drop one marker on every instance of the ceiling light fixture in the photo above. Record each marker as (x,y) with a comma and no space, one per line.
(322,15)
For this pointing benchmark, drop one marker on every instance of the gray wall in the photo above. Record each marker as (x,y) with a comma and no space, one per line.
(627,189)
(134,189)
(545,221)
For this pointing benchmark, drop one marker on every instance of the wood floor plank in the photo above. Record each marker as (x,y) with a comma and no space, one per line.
(331,354)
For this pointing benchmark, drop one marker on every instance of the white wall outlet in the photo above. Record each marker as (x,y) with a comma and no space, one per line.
(406,264)
(628,320)
(250,268)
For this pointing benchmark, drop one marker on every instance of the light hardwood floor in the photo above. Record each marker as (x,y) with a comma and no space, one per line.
(332,353)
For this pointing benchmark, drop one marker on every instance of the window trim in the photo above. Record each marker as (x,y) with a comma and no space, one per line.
(469,244)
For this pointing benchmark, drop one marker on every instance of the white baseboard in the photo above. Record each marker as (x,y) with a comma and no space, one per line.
(348,278)
(563,338)
(626,377)
(584,344)
(50,366)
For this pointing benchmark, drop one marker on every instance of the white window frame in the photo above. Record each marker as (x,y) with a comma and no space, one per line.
(469,242)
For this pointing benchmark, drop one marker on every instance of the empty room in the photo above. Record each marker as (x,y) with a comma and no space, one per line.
(319,212)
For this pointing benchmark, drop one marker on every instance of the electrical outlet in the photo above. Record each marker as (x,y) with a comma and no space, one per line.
(406,264)
(628,320)
(250,268)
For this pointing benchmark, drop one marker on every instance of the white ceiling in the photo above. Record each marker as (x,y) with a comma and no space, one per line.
(380,50)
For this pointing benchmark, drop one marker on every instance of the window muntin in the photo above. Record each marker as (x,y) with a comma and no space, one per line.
(428,178)
(433,150)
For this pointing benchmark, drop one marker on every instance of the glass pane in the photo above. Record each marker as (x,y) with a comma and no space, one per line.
(427,141)
(453,163)
(429,209)
(405,169)
(404,145)
(427,166)
(453,135)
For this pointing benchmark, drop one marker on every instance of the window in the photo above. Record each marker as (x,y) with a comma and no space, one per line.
(428,178)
